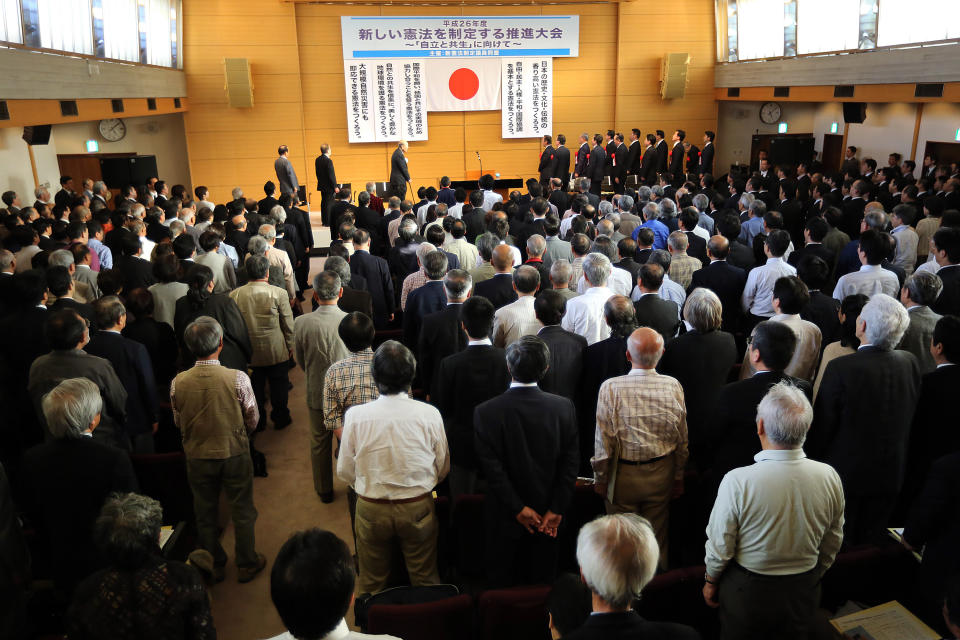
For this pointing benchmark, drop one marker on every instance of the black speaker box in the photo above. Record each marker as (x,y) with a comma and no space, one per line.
(854,112)
(38,134)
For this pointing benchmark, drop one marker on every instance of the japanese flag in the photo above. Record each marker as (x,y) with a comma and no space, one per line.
(463,84)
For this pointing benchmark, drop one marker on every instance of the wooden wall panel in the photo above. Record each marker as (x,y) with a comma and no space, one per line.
(299,89)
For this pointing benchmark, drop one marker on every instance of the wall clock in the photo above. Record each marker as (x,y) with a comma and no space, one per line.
(113,129)
(770,112)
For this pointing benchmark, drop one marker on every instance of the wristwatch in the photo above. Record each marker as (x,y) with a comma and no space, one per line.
(706,578)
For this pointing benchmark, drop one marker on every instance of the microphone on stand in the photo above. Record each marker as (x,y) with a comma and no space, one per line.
(481,168)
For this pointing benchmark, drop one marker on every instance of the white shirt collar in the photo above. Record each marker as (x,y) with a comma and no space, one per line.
(516,384)
(482,342)
(642,372)
(946,364)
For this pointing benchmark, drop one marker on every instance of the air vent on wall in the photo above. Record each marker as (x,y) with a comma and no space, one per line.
(176,103)
(929,91)
(68,108)
(4,111)
(117,105)
(733,92)
(781,92)
(152,104)
(843,91)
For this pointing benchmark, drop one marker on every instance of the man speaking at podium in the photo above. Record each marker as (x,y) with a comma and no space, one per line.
(399,175)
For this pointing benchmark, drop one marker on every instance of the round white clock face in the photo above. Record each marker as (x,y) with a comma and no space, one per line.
(770,112)
(112,129)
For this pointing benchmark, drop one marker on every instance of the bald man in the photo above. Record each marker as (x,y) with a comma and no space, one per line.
(724,279)
(499,289)
(641,437)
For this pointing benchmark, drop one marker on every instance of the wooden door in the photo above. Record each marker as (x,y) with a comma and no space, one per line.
(943,152)
(80,166)
(832,154)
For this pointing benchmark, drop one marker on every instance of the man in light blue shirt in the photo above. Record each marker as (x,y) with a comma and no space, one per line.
(757,299)
(95,244)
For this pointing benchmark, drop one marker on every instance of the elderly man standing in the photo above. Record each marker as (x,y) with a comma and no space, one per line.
(266,310)
(393,453)
(317,345)
(864,410)
(215,409)
(641,438)
(775,528)
(518,319)
(280,258)
(585,313)
(920,291)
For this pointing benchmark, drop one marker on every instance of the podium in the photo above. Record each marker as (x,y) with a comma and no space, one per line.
(501,185)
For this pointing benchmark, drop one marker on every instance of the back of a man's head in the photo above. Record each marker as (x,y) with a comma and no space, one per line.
(203,336)
(791,294)
(528,359)
(549,307)
(775,342)
(476,314)
(457,284)
(885,319)
(312,583)
(526,279)
(502,259)
(778,242)
(946,338)
(393,368)
(357,331)
(618,556)
(786,414)
(327,285)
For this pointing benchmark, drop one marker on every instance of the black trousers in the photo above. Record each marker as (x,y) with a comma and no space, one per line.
(595,186)
(326,201)
(758,606)
(866,518)
(519,559)
(276,375)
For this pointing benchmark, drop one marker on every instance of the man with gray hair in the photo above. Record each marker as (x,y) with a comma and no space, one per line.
(585,313)
(441,332)
(279,257)
(618,556)
(651,216)
(317,345)
(536,247)
(486,243)
(215,409)
(67,479)
(426,299)
(419,277)
(257,246)
(518,319)
(353,298)
(620,280)
(919,292)
(560,272)
(775,528)
(864,410)
(628,221)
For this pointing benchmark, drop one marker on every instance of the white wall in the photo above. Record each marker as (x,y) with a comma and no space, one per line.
(939,124)
(161,135)
(888,128)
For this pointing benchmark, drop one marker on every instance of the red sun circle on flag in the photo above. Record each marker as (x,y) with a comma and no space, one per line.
(464,84)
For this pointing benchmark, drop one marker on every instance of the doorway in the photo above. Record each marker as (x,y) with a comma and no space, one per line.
(81,166)
(832,152)
(944,152)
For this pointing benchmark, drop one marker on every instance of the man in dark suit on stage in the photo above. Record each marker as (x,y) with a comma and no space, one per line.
(596,167)
(618,170)
(706,154)
(499,289)
(650,163)
(677,154)
(663,152)
(566,348)
(562,171)
(440,332)
(609,147)
(376,272)
(724,279)
(581,158)
(399,173)
(862,418)
(548,162)
(466,379)
(634,153)
(526,442)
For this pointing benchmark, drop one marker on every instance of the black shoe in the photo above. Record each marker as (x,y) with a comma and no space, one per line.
(282,423)
(327,497)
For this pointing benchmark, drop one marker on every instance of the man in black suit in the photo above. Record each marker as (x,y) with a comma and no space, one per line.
(467,378)
(269,202)
(582,157)
(724,279)
(663,152)
(62,285)
(377,274)
(499,289)
(815,230)
(425,299)
(548,162)
(653,311)
(326,182)
(440,332)
(822,308)
(596,166)
(566,347)
(562,170)
(706,154)
(618,556)
(131,362)
(863,414)
(650,163)
(634,153)
(627,248)
(399,174)
(341,207)
(696,245)
(609,147)
(946,251)
(136,271)
(66,480)
(853,209)
(526,442)
(620,166)
(355,296)
(791,210)
(677,154)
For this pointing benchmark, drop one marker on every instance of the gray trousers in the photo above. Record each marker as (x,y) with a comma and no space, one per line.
(235,477)
(758,606)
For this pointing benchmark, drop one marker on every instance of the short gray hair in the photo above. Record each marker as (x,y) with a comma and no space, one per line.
(625,203)
(423,249)
(605,228)
(128,528)
(656,190)
(267,232)
(887,320)
(203,336)
(678,241)
(701,202)
(60,258)
(486,243)
(924,287)
(177,227)
(6,258)
(746,200)
(875,220)
(536,245)
(561,270)
(703,310)
(786,415)
(596,269)
(339,266)
(435,264)
(257,246)
(70,407)
(327,284)
(618,556)
(278,214)
(99,186)
(644,194)
(457,284)
(137,210)
(668,208)
(258,267)
(651,211)
(605,207)
(237,193)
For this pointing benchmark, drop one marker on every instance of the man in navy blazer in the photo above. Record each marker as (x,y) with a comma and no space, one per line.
(131,362)
(377,274)
(425,299)
(724,279)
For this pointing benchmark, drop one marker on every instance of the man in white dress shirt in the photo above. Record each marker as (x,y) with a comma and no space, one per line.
(872,278)
(757,299)
(490,197)
(775,529)
(585,313)
(311,586)
(393,453)
(619,281)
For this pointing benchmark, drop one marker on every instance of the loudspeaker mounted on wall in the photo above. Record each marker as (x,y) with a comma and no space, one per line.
(855,112)
(238,82)
(38,134)
(673,75)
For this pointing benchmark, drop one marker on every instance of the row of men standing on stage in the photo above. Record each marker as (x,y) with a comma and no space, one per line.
(612,157)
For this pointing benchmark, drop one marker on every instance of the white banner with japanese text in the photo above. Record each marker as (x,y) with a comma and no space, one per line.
(386,101)
(526,105)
